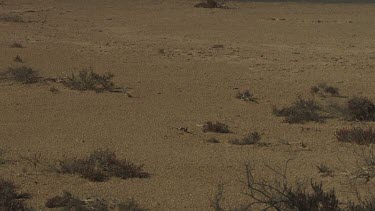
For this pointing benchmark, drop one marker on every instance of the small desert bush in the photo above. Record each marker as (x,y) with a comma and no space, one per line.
(246,96)
(10,198)
(24,74)
(366,205)
(11,18)
(2,160)
(100,166)
(18,59)
(215,127)
(16,45)
(69,202)
(325,170)
(88,80)
(300,111)
(324,89)
(249,139)
(129,205)
(213,141)
(211,4)
(278,194)
(356,135)
(361,109)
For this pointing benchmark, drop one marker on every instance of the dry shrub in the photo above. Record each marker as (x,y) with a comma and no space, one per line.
(11,18)
(246,96)
(216,127)
(324,89)
(100,166)
(356,135)
(16,45)
(249,139)
(10,199)
(300,111)
(361,109)
(70,202)
(211,4)
(24,74)
(88,80)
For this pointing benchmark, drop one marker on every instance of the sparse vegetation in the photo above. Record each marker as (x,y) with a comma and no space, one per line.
(364,205)
(365,168)
(130,205)
(100,166)
(213,141)
(300,111)
(11,18)
(324,170)
(88,80)
(356,135)
(54,90)
(18,59)
(323,89)
(16,45)
(216,127)
(249,139)
(211,4)
(10,198)
(24,74)
(70,202)
(361,109)
(279,195)
(2,152)
(246,96)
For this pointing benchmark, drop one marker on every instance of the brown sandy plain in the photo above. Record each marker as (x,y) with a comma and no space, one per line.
(163,51)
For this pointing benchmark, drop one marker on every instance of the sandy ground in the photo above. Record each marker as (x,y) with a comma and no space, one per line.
(163,51)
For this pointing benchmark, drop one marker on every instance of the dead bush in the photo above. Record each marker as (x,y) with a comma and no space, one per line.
(100,166)
(211,4)
(11,18)
(16,45)
(18,59)
(24,74)
(213,141)
(11,199)
(69,202)
(249,139)
(361,109)
(323,89)
(216,127)
(356,135)
(300,111)
(246,96)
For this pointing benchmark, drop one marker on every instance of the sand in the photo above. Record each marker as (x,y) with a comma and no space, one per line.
(165,53)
